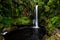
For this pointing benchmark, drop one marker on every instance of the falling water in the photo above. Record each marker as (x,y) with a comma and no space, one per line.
(36,18)
(36,27)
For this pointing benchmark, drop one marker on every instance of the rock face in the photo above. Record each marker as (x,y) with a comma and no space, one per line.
(25,34)
(55,36)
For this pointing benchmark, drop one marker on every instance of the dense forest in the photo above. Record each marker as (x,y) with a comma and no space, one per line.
(21,12)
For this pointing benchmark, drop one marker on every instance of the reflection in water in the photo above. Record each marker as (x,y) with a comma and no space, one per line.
(25,34)
(35,35)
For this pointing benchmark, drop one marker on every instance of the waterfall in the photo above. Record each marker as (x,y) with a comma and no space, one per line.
(36,17)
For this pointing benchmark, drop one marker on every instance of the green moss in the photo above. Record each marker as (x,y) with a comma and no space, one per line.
(24,20)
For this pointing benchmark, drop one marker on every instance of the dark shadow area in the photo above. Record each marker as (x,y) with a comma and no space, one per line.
(26,34)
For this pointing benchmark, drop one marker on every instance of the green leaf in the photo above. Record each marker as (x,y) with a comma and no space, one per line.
(0,6)
(1,26)
(23,20)
(54,19)
(20,8)
(7,21)
(1,18)
(50,2)
(47,8)
(40,3)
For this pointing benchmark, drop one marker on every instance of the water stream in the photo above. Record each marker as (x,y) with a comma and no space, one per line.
(36,27)
(36,17)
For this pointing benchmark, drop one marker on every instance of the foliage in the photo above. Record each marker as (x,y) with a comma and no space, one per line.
(14,11)
(19,11)
(24,20)
(1,26)
(54,22)
(49,13)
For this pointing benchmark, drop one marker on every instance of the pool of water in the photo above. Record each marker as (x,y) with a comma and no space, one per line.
(26,34)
